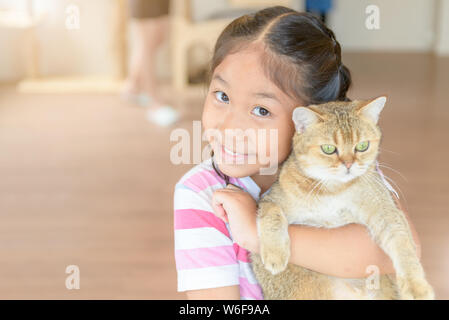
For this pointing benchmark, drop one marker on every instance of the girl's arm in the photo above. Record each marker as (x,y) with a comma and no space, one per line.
(221,293)
(343,252)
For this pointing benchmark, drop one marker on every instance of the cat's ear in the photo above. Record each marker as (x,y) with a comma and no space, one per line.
(372,109)
(304,117)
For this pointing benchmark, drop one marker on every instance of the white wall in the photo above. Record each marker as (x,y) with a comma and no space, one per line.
(202,9)
(404,25)
(442,23)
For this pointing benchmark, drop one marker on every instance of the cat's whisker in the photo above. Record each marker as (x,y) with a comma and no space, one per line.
(397,186)
(319,182)
(375,179)
(373,184)
(311,188)
(390,151)
(383,165)
(314,185)
(378,178)
(376,183)
(324,184)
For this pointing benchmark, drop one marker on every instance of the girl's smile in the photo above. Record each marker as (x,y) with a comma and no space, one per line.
(232,157)
(232,153)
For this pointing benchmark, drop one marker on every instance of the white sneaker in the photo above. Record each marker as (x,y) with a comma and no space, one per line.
(163,116)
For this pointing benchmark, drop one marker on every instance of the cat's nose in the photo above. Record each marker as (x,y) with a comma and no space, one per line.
(348,164)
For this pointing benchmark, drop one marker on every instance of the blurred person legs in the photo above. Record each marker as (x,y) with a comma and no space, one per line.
(150,25)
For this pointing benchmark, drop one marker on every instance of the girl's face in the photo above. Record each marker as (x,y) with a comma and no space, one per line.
(241,100)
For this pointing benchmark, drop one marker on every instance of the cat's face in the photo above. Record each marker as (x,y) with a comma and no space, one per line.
(337,141)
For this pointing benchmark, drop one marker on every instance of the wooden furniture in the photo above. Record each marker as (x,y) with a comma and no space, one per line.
(28,23)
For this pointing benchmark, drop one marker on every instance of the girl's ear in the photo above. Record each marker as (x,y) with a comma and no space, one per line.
(303,117)
(372,109)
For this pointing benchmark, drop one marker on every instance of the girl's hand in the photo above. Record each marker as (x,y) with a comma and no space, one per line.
(238,208)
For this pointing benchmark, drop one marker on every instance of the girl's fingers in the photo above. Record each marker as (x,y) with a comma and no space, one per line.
(219,211)
(221,197)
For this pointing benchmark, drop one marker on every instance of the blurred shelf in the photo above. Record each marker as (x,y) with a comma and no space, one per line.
(81,84)
(18,19)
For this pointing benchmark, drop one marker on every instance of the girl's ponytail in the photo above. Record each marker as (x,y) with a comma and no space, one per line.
(345,83)
(343,72)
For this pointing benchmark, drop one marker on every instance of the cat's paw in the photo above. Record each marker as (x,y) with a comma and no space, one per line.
(274,259)
(413,288)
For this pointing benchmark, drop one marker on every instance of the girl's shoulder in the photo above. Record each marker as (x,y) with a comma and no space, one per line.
(196,176)
(195,189)
(202,180)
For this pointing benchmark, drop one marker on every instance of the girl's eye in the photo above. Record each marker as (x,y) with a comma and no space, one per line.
(221,96)
(328,148)
(261,112)
(362,146)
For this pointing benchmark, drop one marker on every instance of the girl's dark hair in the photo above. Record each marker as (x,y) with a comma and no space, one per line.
(301,55)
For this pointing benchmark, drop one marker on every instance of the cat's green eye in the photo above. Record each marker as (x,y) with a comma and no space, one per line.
(362,146)
(328,148)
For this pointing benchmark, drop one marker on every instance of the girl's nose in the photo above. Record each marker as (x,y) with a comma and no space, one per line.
(232,120)
(235,132)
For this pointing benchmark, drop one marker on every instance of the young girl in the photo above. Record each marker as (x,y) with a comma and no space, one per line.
(264,65)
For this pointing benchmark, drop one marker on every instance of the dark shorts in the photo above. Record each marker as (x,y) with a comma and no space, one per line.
(142,9)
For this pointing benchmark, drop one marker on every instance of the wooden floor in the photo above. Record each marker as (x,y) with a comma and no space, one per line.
(85,180)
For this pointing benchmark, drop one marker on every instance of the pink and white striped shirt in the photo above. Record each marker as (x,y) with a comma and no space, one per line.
(205,253)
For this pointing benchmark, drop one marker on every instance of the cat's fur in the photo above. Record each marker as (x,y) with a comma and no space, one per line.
(318,190)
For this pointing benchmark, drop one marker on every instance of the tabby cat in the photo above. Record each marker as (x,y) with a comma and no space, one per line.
(330,180)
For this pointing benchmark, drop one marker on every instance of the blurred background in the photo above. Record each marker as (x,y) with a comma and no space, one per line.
(91,90)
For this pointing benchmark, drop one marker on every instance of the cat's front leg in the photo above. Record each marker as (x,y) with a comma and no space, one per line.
(391,231)
(272,226)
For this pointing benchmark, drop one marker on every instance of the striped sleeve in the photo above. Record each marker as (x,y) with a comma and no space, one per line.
(204,252)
